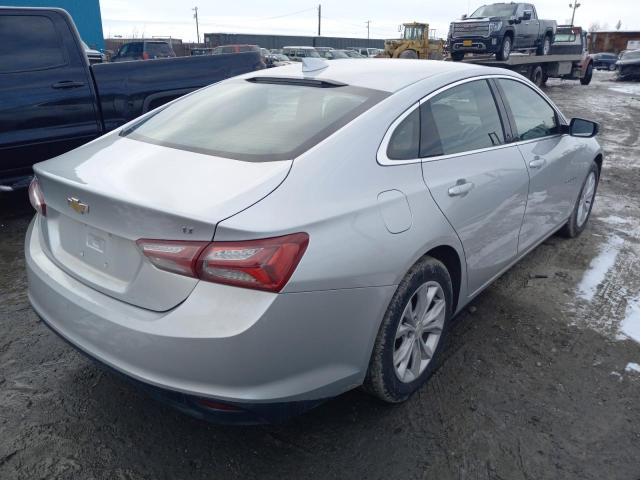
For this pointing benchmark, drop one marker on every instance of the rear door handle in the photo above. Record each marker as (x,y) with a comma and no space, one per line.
(68,84)
(460,188)
(537,163)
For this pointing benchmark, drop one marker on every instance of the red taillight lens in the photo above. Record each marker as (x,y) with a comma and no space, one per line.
(265,264)
(36,197)
(176,257)
(145,56)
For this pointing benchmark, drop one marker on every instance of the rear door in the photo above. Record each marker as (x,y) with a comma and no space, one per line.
(533,25)
(476,177)
(47,102)
(551,159)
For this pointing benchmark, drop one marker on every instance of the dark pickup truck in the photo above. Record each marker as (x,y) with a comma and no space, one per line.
(501,28)
(52,100)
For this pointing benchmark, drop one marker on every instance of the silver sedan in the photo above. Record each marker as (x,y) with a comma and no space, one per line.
(279,238)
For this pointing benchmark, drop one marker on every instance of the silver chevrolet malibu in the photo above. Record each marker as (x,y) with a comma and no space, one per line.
(279,238)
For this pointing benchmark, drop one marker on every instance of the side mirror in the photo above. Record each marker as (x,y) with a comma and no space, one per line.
(464,17)
(582,128)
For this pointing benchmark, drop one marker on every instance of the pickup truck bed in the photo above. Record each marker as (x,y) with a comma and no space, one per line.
(52,100)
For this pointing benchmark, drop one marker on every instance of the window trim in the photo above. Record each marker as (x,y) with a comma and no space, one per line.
(381,156)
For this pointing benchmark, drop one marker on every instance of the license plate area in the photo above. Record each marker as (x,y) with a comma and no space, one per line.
(467,43)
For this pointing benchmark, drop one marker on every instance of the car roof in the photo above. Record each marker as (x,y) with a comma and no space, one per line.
(385,74)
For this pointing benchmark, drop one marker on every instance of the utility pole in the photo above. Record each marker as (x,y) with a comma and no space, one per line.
(368,22)
(195,15)
(319,17)
(574,5)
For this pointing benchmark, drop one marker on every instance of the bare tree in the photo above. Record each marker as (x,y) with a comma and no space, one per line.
(594,27)
(618,25)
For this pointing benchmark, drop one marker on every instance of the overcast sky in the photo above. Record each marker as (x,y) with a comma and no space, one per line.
(339,18)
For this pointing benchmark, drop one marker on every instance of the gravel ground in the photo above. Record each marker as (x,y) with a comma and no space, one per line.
(538,383)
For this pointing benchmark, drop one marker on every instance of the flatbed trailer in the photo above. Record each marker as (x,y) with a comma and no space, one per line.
(568,60)
(540,68)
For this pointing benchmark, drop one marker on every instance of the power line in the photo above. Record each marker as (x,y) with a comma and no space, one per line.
(289,14)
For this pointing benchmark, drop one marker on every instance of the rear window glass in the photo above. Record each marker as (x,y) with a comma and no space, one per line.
(256,122)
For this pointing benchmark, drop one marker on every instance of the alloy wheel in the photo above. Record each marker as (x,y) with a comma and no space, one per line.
(419,331)
(586,199)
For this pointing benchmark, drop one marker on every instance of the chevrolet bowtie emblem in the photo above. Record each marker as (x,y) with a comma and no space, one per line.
(77,205)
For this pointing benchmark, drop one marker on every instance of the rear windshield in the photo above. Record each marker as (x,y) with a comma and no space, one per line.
(158,49)
(631,55)
(495,10)
(254,121)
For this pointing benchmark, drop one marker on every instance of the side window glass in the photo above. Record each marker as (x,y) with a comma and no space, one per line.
(405,140)
(533,116)
(29,42)
(461,119)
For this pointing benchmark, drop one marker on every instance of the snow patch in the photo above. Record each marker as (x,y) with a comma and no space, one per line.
(628,89)
(615,220)
(630,326)
(632,367)
(599,267)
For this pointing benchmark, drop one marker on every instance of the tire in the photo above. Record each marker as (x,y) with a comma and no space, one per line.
(579,216)
(457,56)
(545,77)
(586,80)
(612,67)
(537,76)
(505,48)
(408,54)
(385,378)
(545,47)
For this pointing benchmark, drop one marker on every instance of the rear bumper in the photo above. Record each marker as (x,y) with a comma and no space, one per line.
(252,349)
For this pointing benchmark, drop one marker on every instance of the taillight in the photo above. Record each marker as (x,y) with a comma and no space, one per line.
(176,257)
(36,197)
(265,264)
(145,56)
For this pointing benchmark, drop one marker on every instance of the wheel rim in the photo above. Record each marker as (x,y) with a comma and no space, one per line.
(419,331)
(506,49)
(537,76)
(586,199)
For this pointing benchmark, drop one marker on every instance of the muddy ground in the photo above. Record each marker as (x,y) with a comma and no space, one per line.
(538,383)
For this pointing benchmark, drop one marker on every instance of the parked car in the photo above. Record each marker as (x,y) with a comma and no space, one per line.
(235,49)
(144,50)
(499,29)
(208,267)
(296,54)
(196,52)
(332,54)
(628,65)
(94,56)
(353,54)
(604,61)
(367,52)
(52,100)
(277,60)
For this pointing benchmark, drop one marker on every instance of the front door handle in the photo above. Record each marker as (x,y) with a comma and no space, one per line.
(537,163)
(68,84)
(461,188)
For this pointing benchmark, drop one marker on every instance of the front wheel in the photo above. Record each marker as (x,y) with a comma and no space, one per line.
(408,54)
(505,48)
(612,67)
(408,347)
(582,209)
(586,80)
(537,76)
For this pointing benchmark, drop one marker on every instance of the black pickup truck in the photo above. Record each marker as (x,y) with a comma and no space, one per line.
(52,100)
(501,28)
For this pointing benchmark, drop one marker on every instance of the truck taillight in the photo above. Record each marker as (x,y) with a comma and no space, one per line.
(36,197)
(265,264)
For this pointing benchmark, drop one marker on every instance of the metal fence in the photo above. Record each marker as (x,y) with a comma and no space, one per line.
(279,41)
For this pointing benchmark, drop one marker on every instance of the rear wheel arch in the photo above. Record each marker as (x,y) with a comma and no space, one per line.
(451,260)
(598,161)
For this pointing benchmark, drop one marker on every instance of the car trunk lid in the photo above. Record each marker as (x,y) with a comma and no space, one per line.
(104,196)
